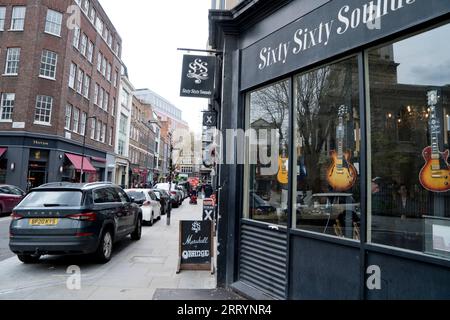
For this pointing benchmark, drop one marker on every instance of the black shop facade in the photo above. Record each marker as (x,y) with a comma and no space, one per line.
(28,161)
(357,94)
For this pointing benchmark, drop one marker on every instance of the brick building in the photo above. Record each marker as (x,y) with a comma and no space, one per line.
(142,143)
(59,86)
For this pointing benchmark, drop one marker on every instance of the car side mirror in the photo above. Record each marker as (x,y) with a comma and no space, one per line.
(132,199)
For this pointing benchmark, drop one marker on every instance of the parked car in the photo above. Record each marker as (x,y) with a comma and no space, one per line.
(10,196)
(164,200)
(149,203)
(177,199)
(259,206)
(322,211)
(65,218)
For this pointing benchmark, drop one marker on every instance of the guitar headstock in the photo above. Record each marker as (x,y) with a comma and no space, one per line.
(432,97)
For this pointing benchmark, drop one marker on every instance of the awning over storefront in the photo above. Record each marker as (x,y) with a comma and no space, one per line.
(2,151)
(77,160)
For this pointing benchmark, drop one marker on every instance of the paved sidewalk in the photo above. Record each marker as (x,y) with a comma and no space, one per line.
(135,272)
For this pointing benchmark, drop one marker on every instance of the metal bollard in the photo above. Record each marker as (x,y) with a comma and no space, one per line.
(168,216)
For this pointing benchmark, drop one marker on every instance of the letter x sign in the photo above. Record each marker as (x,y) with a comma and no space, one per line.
(209,119)
(207,215)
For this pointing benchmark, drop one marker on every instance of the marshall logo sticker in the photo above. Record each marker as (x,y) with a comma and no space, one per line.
(197,79)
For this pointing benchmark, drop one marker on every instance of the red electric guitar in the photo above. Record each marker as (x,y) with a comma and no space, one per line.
(435,175)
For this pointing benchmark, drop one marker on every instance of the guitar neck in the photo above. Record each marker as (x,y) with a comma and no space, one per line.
(434,133)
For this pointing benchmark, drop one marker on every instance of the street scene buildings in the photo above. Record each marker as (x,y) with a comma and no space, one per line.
(83,102)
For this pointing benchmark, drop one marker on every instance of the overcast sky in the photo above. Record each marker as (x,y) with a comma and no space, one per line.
(151,32)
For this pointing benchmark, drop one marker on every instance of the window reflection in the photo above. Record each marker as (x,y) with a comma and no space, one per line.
(268,181)
(328,150)
(409,107)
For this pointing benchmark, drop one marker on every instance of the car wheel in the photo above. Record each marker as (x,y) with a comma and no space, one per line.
(29,258)
(105,247)
(152,219)
(136,235)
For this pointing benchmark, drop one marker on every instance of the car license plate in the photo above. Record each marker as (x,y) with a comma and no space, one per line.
(44,222)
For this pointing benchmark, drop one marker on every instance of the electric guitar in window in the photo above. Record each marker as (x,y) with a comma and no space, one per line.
(342,174)
(283,173)
(435,175)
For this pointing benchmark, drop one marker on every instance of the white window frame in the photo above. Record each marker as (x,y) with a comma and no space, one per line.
(68,116)
(93,126)
(83,124)
(92,14)
(111,136)
(108,72)
(86,86)
(43,110)
(7,106)
(83,44)
(101,93)
(85,6)
(18,18)
(90,51)
(96,92)
(99,61)
(98,130)
(103,134)
(53,22)
(106,101)
(72,75)
(104,63)
(12,58)
(80,78)
(49,62)
(76,120)
(76,37)
(2,18)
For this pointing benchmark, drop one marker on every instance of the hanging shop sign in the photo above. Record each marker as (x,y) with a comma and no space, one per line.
(196,249)
(209,119)
(197,79)
(334,28)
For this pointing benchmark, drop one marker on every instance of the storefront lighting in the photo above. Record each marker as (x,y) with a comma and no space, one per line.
(61,169)
(13,166)
(409,109)
(390,115)
(399,120)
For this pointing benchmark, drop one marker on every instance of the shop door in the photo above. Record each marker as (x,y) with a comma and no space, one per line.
(37,174)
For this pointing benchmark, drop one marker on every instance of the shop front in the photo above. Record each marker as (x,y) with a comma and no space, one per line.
(345,190)
(29,161)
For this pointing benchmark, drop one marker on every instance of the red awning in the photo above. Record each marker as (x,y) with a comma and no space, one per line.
(76,161)
(2,151)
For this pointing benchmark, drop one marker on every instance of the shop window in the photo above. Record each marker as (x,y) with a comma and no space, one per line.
(3,170)
(267,172)
(327,145)
(409,85)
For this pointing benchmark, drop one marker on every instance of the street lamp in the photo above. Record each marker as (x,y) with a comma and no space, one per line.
(84,146)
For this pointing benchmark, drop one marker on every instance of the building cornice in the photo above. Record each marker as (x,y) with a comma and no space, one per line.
(246,14)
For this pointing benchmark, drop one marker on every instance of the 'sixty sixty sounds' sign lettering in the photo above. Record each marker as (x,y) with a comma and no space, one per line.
(331,29)
(197,79)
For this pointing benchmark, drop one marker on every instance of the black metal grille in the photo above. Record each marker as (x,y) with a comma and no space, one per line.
(263,260)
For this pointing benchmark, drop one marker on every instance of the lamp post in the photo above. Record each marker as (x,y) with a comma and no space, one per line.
(84,147)
(170,171)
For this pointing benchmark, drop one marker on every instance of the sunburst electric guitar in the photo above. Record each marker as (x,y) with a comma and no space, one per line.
(342,174)
(435,175)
